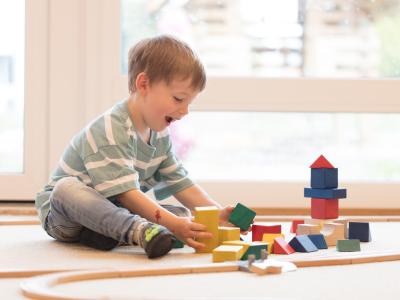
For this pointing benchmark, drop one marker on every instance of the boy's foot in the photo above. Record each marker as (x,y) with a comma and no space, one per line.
(156,240)
(96,240)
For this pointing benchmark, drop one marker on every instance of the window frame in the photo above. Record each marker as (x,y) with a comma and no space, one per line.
(73,91)
(23,186)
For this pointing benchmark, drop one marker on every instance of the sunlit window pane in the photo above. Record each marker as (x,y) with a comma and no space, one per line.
(12,22)
(285,38)
(281,146)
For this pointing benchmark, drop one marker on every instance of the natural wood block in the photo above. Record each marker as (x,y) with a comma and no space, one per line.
(306,229)
(333,232)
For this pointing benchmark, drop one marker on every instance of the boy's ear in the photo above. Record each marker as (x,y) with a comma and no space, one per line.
(142,83)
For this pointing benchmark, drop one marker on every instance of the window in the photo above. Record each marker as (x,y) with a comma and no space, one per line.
(11,86)
(23,93)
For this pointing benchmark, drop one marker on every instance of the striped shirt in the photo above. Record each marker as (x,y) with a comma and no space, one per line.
(109,156)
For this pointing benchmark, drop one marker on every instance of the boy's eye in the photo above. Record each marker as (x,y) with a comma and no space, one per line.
(178,99)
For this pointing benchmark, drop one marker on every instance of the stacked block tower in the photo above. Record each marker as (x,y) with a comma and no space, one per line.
(324,192)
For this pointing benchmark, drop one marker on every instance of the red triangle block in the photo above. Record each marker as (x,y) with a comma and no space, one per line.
(321,162)
(281,247)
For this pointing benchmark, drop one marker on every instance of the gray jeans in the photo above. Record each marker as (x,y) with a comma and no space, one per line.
(74,205)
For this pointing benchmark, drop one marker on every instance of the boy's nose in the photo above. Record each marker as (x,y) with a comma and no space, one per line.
(184,111)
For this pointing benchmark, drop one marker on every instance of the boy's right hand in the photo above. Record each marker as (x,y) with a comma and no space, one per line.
(187,231)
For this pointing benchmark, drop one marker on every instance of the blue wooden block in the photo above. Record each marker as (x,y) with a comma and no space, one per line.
(323,178)
(325,194)
(302,243)
(318,240)
(360,231)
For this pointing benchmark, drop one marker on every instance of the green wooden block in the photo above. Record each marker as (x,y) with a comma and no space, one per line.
(177,244)
(348,245)
(255,250)
(242,216)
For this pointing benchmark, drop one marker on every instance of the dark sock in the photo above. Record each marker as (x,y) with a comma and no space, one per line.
(96,240)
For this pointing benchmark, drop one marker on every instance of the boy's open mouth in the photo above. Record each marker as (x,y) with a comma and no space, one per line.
(169,119)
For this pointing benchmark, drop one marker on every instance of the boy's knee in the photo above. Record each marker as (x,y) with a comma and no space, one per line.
(64,186)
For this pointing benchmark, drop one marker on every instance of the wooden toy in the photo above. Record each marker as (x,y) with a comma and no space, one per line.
(318,240)
(321,162)
(325,193)
(348,245)
(295,223)
(255,248)
(360,231)
(333,232)
(268,266)
(282,247)
(323,178)
(228,234)
(269,238)
(177,244)
(302,243)
(257,231)
(242,216)
(209,216)
(227,253)
(306,229)
(324,208)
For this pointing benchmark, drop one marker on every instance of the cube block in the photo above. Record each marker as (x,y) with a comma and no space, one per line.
(324,208)
(323,178)
(242,216)
(360,231)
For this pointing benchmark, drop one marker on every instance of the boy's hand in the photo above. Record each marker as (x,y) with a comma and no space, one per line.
(224,215)
(187,231)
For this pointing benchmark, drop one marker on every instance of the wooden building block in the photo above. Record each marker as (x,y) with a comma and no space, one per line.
(270,238)
(242,216)
(271,266)
(282,247)
(295,223)
(318,240)
(323,178)
(227,253)
(255,248)
(177,244)
(321,162)
(326,194)
(257,231)
(324,208)
(209,216)
(348,245)
(228,234)
(302,243)
(306,229)
(360,231)
(333,232)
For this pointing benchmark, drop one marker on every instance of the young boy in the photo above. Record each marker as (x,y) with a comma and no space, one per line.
(96,195)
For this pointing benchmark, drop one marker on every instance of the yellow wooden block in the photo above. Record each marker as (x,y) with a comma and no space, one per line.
(269,238)
(245,245)
(209,216)
(228,234)
(227,253)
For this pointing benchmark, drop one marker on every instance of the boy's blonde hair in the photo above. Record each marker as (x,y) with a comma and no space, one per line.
(165,58)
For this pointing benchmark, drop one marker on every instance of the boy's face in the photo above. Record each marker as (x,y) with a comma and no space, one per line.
(164,104)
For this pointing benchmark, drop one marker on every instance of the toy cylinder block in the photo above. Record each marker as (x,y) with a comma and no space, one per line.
(326,194)
(324,178)
(324,208)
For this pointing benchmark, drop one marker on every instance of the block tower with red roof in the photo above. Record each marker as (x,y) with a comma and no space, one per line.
(324,192)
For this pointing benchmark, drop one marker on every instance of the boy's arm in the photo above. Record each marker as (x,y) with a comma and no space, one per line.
(139,203)
(195,196)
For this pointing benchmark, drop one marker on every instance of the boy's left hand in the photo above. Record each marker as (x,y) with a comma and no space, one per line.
(224,214)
